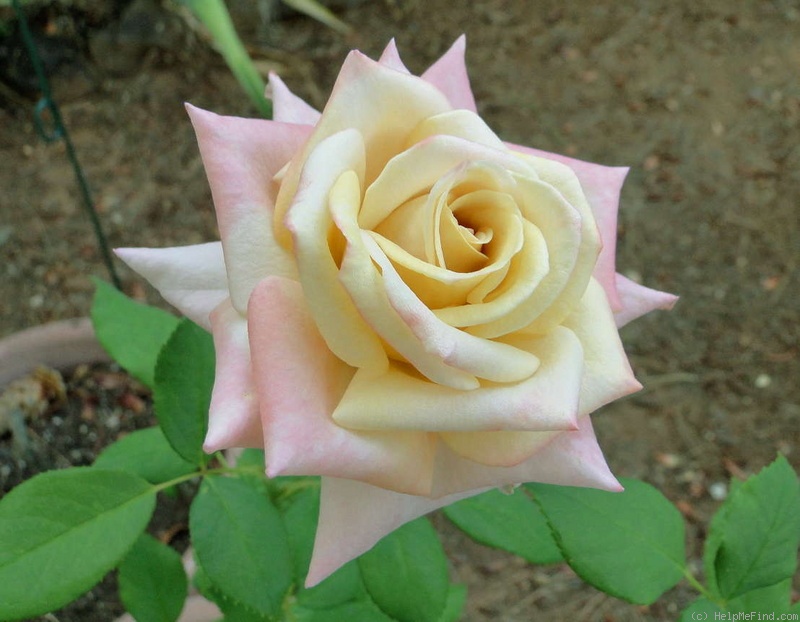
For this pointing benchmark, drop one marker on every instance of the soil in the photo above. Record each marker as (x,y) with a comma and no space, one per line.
(701,100)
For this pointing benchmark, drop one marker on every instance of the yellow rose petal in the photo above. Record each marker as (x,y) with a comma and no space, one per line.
(499,449)
(569,247)
(338,320)
(382,104)
(527,269)
(486,359)
(562,178)
(414,172)
(363,282)
(401,399)
(461,123)
(607,373)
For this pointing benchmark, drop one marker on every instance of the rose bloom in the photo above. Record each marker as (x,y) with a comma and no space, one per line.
(401,302)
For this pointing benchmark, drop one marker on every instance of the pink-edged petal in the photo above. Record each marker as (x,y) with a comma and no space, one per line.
(191,278)
(288,107)
(391,58)
(449,75)
(241,157)
(602,186)
(637,300)
(569,458)
(354,516)
(299,383)
(607,374)
(233,418)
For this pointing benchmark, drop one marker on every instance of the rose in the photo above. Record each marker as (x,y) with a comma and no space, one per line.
(401,302)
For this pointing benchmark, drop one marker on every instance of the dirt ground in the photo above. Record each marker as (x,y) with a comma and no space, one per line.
(701,100)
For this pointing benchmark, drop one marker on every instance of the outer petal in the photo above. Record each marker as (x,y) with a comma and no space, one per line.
(233,419)
(288,107)
(638,300)
(449,75)
(391,58)
(567,459)
(192,278)
(607,374)
(399,399)
(299,382)
(353,516)
(602,186)
(241,157)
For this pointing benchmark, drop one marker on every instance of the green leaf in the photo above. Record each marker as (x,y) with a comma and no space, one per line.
(233,611)
(147,454)
(182,393)
(512,522)
(701,609)
(768,600)
(215,17)
(754,536)
(152,582)
(628,544)
(252,459)
(356,611)
(61,531)
(321,13)
(456,599)
(299,513)
(132,333)
(406,573)
(241,543)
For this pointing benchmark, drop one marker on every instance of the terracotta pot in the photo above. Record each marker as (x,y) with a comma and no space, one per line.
(59,345)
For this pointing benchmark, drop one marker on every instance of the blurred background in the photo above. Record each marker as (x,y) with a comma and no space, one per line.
(700,99)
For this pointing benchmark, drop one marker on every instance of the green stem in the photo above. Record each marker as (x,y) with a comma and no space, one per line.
(204,472)
(690,578)
(222,459)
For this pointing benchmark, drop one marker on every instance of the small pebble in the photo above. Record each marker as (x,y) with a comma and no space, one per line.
(112,423)
(57,421)
(5,470)
(36,301)
(670,461)
(763,381)
(83,428)
(718,491)
(75,454)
